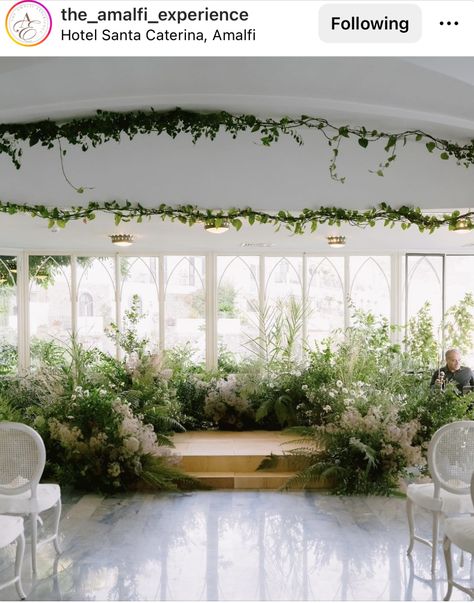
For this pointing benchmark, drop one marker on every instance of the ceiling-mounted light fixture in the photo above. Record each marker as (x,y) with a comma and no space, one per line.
(217,227)
(122,240)
(462,226)
(336,240)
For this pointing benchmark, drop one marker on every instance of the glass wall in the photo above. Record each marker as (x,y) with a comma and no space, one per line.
(50,302)
(238,313)
(325,297)
(370,284)
(459,286)
(441,286)
(140,287)
(8,315)
(185,303)
(244,306)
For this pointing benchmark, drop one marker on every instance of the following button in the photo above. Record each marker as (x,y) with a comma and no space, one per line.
(379,23)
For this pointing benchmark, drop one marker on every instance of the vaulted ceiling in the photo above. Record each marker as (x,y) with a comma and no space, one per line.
(393,94)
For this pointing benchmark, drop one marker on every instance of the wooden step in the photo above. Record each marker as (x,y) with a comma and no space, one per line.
(261,480)
(234,463)
(230,460)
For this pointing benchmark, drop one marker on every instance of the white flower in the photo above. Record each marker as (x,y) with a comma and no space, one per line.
(339,383)
(73,397)
(132,444)
(114,470)
(327,408)
(86,393)
(345,390)
(102,392)
(331,394)
(304,387)
(78,389)
(297,373)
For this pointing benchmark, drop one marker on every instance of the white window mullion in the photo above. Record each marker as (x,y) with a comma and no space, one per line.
(74,296)
(23,313)
(262,298)
(304,299)
(211,310)
(396,294)
(118,304)
(347,291)
(161,301)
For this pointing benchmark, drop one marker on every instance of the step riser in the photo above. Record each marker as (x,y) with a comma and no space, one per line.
(236,464)
(253,482)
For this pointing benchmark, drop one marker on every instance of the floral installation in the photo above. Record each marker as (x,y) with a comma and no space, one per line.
(102,436)
(362,407)
(361,446)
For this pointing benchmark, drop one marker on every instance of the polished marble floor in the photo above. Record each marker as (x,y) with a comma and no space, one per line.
(232,545)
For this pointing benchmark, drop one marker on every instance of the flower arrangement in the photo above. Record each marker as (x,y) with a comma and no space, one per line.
(226,407)
(361,446)
(99,440)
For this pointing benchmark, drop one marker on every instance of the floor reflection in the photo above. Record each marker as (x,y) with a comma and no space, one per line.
(233,546)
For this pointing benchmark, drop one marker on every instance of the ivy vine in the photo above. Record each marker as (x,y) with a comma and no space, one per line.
(107,126)
(298,223)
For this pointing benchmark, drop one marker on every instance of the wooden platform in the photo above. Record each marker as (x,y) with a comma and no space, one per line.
(229,460)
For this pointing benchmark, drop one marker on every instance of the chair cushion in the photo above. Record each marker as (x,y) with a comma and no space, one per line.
(10,529)
(47,496)
(460,530)
(448,503)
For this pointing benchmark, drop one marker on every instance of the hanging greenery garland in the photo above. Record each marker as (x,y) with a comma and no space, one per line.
(298,223)
(105,126)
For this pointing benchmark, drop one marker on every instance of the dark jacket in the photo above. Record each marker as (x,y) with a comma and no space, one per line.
(462,377)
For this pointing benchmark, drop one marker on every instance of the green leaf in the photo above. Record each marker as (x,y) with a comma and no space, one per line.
(431,146)
(236,223)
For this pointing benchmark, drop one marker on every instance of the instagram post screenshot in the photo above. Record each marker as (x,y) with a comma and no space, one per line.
(236,300)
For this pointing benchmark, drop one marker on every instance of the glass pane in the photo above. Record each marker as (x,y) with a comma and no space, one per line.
(370,284)
(95,302)
(237,303)
(185,303)
(284,301)
(325,297)
(50,302)
(459,286)
(424,284)
(8,316)
(140,278)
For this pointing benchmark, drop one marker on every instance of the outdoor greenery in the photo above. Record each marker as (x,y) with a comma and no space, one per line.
(360,408)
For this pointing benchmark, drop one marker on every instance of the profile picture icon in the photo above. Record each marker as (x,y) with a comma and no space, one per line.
(28,23)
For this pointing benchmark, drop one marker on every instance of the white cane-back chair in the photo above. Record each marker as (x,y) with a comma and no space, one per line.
(451,462)
(11,530)
(460,532)
(22,460)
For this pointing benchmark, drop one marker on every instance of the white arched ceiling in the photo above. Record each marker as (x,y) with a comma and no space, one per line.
(384,93)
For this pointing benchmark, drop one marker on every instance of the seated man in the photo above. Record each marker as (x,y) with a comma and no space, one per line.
(453,371)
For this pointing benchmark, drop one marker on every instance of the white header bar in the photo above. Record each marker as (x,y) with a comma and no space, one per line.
(236,28)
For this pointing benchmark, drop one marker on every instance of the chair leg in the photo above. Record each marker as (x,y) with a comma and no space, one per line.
(411,525)
(34,540)
(20,551)
(449,566)
(57,517)
(434,551)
